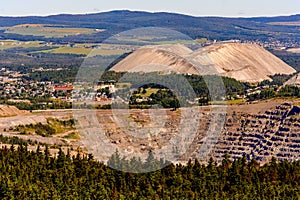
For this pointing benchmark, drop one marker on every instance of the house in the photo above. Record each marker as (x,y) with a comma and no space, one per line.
(64,88)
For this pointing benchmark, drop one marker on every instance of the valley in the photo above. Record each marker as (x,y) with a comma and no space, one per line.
(151,104)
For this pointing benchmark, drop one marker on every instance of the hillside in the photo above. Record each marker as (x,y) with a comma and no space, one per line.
(274,132)
(157,58)
(196,27)
(244,62)
(258,131)
(8,111)
(295,80)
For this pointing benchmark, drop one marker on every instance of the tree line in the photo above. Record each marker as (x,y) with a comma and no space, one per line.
(38,175)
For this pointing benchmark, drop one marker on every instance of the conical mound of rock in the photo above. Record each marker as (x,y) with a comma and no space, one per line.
(241,61)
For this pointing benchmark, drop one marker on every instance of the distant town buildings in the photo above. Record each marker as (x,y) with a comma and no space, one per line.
(64,88)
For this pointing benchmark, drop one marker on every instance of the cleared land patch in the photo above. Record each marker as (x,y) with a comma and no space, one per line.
(8,111)
(8,44)
(297,23)
(48,31)
(85,51)
(294,50)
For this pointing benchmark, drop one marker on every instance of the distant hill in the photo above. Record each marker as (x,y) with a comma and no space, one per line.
(291,18)
(196,27)
(241,61)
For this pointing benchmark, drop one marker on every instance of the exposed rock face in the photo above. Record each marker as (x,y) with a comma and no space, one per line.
(274,132)
(244,62)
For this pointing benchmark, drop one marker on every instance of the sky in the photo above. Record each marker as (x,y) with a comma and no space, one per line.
(227,8)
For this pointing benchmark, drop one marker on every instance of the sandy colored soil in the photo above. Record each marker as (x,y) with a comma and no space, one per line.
(19,117)
(259,107)
(294,50)
(295,80)
(244,62)
(256,129)
(137,131)
(7,111)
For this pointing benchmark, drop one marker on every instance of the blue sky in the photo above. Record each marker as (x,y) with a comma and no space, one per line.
(235,8)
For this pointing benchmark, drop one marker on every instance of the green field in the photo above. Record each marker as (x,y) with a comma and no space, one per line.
(236,102)
(85,51)
(73,135)
(123,85)
(149,42)
(149,91)
(7,44)
(48,31)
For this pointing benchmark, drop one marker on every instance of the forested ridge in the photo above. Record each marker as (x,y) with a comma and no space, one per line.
(195,27)
(38,175)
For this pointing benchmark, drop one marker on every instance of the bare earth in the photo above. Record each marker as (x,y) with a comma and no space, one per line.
(259,130)
(294,50)
(295,80)
(244,62)
(7,111)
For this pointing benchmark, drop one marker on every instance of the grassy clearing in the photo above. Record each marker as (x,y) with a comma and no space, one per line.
(7,44)
(154,40)
(236,102)
(53,126)
(176,42)
(149,91)
(218,103)
(78,49)
(73,135)
(68,50)
(48,31)
(61,126)
(145,41)
(201,40)
(123,85)
(85,51)
(107,52)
